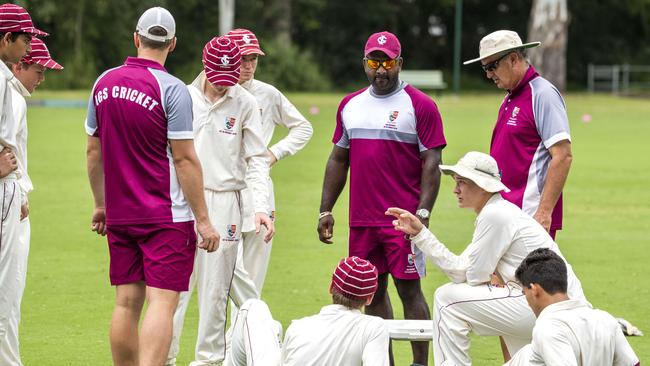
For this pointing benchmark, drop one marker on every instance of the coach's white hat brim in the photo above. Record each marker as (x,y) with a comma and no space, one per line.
(498,42)
(480,168)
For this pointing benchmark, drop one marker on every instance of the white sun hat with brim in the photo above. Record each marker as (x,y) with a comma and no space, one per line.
(480,168)
(499,42)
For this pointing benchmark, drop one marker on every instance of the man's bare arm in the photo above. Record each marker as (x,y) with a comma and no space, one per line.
(430,182)
(558,171)
(336,174)
(95,167)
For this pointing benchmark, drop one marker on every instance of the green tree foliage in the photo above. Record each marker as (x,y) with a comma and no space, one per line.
(327,36)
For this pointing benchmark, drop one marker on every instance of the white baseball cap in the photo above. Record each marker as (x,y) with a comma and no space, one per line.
(480,168)
(498,42)
(156,17)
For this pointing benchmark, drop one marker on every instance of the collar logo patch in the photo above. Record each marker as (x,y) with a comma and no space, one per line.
(382,39)
(392,118)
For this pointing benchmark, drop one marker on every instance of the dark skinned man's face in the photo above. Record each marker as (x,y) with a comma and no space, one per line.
(382,80)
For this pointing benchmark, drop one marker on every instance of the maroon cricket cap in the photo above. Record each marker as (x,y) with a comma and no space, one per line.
(222,61)
(246,40)
(14,19)
(385,42)
(40,55)
(355,278)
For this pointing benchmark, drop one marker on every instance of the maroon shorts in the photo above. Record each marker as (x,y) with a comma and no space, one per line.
(161,255)
(388,250)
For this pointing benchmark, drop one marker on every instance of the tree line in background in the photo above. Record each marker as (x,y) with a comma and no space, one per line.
(318,44)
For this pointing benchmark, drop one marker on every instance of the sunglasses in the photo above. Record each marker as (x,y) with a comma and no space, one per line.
(375,64)
(494,64)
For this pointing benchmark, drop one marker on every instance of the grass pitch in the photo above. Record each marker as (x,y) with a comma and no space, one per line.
(68,300)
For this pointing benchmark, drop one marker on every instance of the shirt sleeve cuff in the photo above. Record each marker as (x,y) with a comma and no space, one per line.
(557,138)
(180,135)
(277,152)
(90,131)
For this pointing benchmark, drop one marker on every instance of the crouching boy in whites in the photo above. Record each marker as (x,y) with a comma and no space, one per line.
(503,236)
(339,335)
(567,332)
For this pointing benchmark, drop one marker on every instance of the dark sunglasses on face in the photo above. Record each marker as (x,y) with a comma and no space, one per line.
(387,64)
(494,64)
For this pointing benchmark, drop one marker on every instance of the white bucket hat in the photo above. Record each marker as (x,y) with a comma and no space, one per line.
(498,42)
(480,168)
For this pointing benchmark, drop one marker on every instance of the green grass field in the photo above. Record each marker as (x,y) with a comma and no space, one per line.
(68,300)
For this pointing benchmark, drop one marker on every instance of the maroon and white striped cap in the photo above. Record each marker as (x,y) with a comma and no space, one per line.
(355,278)
(246,40)
(14,19)
(222,61)
(40,55)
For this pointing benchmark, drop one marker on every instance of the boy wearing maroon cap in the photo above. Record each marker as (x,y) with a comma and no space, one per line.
(227,132)
(139,128)
(277,110)
(339,335)
(389,136)
(29,74)
(16,32)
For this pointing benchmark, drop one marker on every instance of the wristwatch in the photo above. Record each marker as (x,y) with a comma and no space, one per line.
(423,213)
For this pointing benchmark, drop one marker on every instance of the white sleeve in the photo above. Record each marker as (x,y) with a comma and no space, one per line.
(257,174)
(623,353)
(454,266)
(492,237)
(300,130)
(8,126)
(375,352)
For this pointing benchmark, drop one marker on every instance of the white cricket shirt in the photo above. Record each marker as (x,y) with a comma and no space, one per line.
(571,333)
(228,141)
(503,237)
(18,95)
(8,125)
(336,336)
(276,110)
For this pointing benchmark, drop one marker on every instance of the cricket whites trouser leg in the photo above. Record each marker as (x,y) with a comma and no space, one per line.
(256,336)
(10,350)
(241,290)
(179,317)
(214,273)
(12,268)
(484,309)
(253,256)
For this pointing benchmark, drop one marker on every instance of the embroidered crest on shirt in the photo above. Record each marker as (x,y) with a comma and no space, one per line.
(230,124)
(512,121)
(231,230)
(392,118)
(410,267)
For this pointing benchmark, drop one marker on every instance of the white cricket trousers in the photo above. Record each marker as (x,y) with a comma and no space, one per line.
(484,309)
(253,256)
(212,277)
(14,247)
(256,337)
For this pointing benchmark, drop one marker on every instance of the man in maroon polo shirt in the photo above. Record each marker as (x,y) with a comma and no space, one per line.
(148,188)
(531,140)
